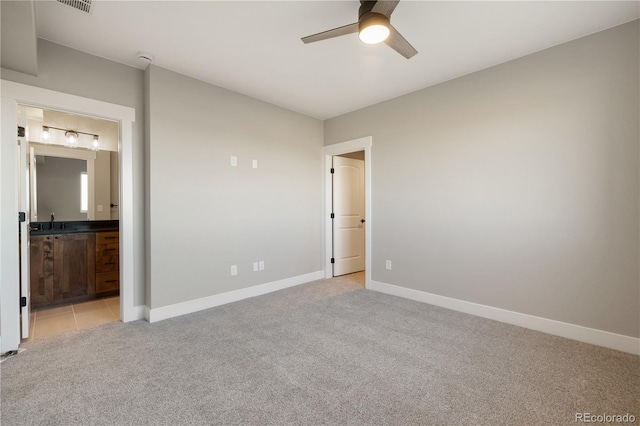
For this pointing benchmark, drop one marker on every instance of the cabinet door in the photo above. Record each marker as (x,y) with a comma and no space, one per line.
(41,268)
(74,265)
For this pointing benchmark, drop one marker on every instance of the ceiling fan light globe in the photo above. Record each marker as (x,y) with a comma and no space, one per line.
(373,28)
(374,34)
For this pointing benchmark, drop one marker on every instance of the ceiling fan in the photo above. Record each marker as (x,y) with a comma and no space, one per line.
(373,27)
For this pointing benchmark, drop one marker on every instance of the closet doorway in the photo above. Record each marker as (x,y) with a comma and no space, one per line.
(347,208)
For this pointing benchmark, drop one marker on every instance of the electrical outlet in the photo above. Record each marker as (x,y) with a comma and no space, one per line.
(234,270)
(388,265)
(255,266)
(234,161)
(261,265)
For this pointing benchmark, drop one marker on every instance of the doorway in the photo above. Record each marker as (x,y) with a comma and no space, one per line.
(349,247)
(73,207)
(14,94)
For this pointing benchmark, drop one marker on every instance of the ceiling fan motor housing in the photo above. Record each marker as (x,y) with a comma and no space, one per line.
(365,7)
(371,18)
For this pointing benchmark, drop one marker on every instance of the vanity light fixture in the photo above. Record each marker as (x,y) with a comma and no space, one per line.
(72,137)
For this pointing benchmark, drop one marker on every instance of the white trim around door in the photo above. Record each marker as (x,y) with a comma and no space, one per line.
(19,94)
(361,144)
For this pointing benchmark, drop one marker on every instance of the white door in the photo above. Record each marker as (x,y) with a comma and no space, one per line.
(24,159)
(349,220)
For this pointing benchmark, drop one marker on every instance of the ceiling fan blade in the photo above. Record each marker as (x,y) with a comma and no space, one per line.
(400,44)
(336,32)
(385,7)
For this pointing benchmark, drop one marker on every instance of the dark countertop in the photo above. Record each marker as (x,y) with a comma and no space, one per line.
(73,227)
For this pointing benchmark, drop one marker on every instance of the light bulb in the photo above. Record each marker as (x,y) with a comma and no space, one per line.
(45,133)
(72,138)
(96,143)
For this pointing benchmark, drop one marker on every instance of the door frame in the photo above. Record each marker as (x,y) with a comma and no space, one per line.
(24,193)
(14,94)
(361,144)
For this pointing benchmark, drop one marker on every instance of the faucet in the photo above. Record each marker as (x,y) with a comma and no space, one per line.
(52,218)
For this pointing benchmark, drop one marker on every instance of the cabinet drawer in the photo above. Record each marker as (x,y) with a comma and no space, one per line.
(107,237)
(107,263)
(106,281)
(107,249)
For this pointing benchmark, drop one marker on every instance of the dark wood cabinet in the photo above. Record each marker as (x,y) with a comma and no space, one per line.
(41,269)
(107,261)
(74,265)
(63,267)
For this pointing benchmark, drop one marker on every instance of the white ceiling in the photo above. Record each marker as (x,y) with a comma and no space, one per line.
(254,48)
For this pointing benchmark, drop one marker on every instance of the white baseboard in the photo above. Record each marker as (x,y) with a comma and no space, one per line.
(137,313)
(170,311)
(571,331)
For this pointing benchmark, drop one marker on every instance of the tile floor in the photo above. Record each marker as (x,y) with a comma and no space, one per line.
(48,322)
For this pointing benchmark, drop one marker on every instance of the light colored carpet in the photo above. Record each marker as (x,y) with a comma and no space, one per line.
(327,352)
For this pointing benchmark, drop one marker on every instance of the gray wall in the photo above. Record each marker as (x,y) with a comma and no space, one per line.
(102,185)
(203,214)
(517,186)
(59,188)
(71,71)
(114,188)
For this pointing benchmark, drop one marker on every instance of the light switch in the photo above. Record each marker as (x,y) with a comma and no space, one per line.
(255,164)
(99,207)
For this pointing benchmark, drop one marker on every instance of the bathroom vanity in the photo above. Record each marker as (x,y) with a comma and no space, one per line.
(73,261)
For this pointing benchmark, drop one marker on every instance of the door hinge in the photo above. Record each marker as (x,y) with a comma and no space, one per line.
(333,216)
(21,132)
(333,170)
(333,260)
(22,217)
(23,301)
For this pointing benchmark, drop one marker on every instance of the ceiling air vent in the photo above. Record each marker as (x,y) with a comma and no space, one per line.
(81,5)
